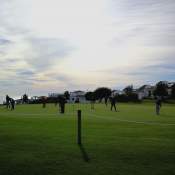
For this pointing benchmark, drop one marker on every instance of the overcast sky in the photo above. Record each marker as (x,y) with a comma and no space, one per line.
(56,45)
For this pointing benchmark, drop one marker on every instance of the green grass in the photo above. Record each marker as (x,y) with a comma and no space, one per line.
(132,141)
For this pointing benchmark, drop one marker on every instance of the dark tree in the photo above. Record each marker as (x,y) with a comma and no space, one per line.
(128,90)
(67,95)
(173,91)
(161,89)
(89,96)
(101,93)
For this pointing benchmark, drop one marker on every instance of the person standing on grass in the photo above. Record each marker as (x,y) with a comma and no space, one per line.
(92,101)
(62,102)
(12,102)
(106,100)
(44,101)
(91,98)
(25,99)
(113,102)
(7,101)
(158,105)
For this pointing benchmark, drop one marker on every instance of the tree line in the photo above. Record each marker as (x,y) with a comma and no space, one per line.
(161,90)
(128,95)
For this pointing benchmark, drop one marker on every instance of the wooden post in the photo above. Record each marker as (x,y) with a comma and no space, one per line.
(79,128)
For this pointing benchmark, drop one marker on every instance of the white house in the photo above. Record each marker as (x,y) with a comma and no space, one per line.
(169,90)
(77,95)
(145,91)
(54,94)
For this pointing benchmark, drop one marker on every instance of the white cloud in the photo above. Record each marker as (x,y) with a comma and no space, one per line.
(57,45)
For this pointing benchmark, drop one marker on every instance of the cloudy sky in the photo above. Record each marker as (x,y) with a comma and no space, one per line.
(56,45)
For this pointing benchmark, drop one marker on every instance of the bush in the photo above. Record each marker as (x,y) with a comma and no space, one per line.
(132,97)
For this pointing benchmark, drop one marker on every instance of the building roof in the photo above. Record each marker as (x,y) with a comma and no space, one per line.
(145,87)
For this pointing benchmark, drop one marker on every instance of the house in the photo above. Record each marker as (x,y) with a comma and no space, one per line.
(54,95)
(145,91)
(34,98)
(169,89)
(77,96)
(117,92)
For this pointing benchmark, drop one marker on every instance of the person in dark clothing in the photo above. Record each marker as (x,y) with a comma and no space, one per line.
(77,100)
(113,102)
(25,98)
(106,100)
(12,102)
(44,101)
(7,101)
(92,102)
(62,102)
(158,105)
(59,103)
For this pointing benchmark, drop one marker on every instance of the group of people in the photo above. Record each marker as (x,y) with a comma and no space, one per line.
(61,100)
(10,103)
(113,101)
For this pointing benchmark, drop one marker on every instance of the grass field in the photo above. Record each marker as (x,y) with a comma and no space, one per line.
(132,141)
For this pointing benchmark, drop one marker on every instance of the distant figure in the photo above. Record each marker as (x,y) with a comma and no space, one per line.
(12,102)
(7,101)
(25,98)
(77,100)
(158,105)
(92,103)
(62,102)
(44,101)
(113,102)
(59,104)
(106,101)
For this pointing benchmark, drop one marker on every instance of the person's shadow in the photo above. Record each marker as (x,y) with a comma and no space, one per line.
(84,153)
